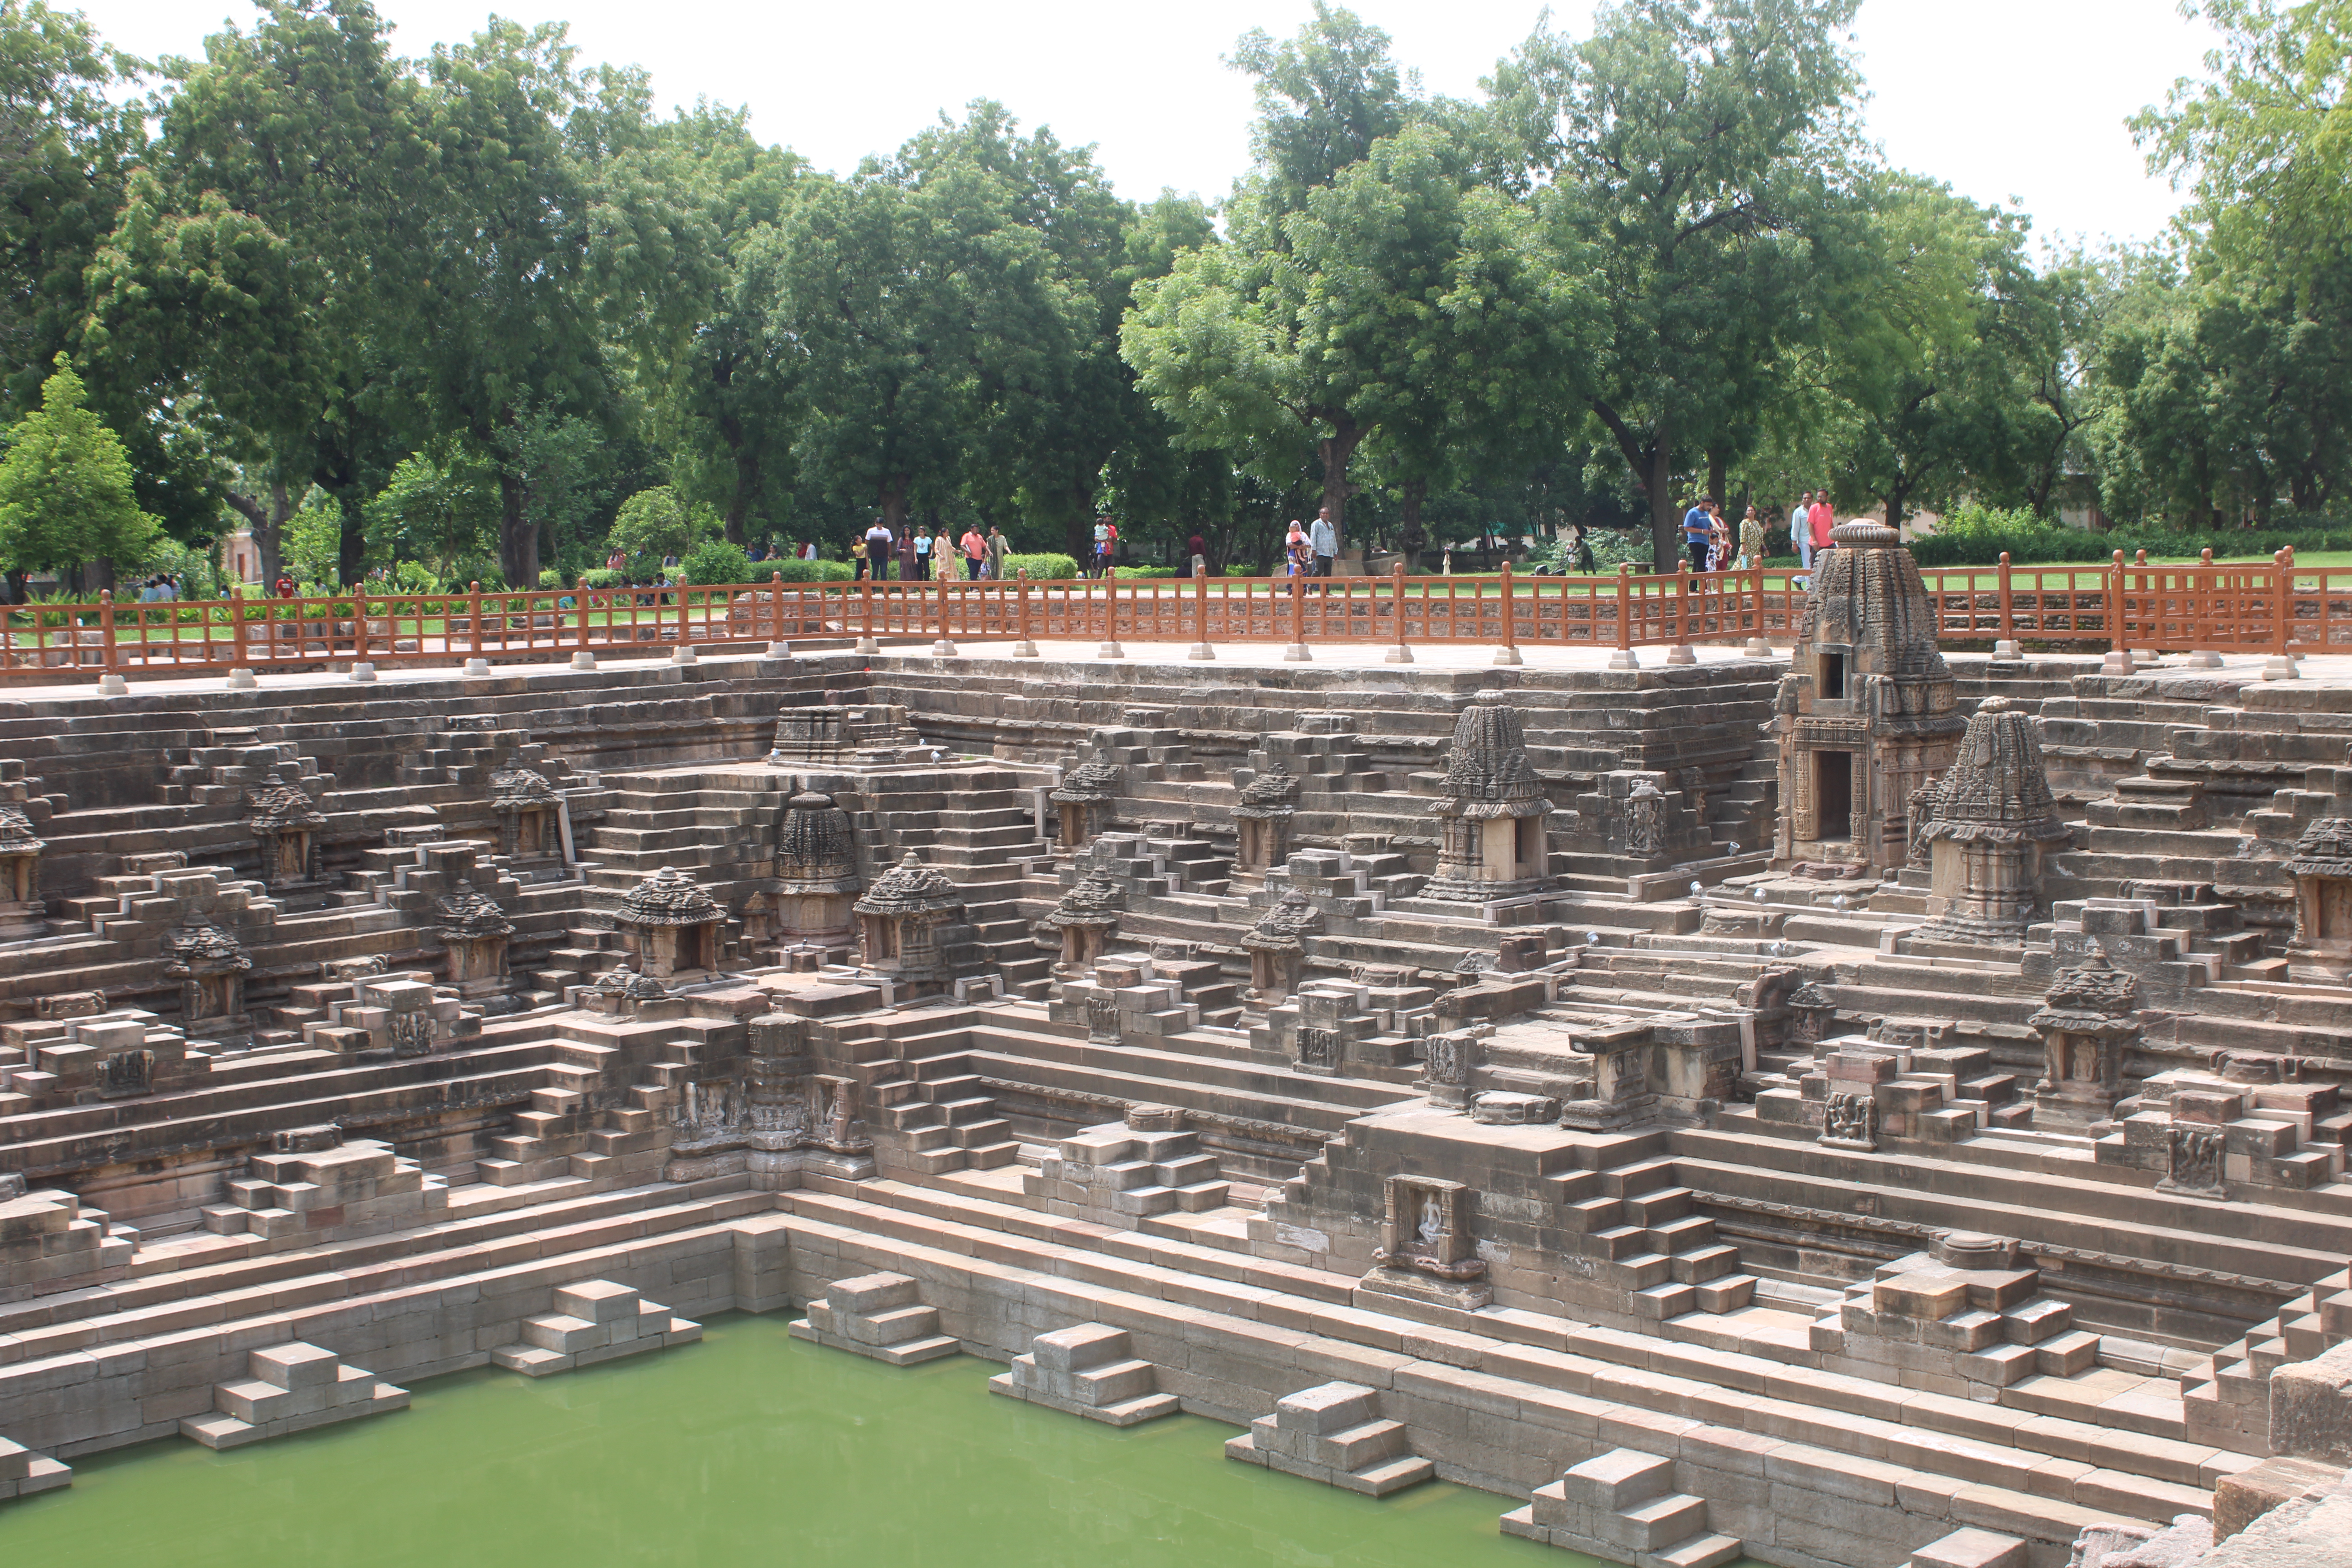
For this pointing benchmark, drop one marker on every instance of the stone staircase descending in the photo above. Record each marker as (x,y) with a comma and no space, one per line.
(1118,1175)
(1623,1504)
(1642,1229)
(2226,1397)
(932,1106)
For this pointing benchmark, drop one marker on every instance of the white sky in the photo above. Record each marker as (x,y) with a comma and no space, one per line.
(2000,98)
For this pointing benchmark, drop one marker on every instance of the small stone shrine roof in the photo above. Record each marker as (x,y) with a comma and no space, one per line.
(202,944)
(1997,789)
(1867,594)
(1488,774)
(909,888)
(668,899)
(17,835)
(515,788)
(2093,999)
(628,984)
(1280,928)
(469,914)
(2324,850)
(277,807)
(1094,904)
(1088,783)
(1273,792)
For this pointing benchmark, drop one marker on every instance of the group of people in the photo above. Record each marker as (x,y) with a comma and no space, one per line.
(1309,552)
(163,588)
(921,553)
(1707,535)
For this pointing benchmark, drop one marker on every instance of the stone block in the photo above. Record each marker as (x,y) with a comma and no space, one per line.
(2310,1407)
(2239,1500)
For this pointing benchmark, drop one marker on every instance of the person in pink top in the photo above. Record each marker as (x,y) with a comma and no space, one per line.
(1822,519)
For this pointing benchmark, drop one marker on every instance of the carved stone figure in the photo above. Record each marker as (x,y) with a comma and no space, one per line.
(1318,1049)
(1645,819)
(1850,1121)
(2194,1163)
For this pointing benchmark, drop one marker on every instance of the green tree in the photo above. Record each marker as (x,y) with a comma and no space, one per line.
(1324,97)
(440,507)
(66,495)
(656,524)
(264,268)
(922,312)
(1691,152)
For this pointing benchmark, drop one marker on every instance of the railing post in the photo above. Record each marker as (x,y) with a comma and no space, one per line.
(2280,665)
(1110,647)
(944,647)
(2203,590)
(1399,653)
(1682,652)
(1759,645)
(1201,648)
(1624,659)
(1297,652)
(1024,648)
(865,642)
(475,624)
(1509,652)
(2119,659)
(2005,645)
(779,645)
(105,632)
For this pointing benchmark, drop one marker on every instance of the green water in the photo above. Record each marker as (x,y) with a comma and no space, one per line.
(747,1448)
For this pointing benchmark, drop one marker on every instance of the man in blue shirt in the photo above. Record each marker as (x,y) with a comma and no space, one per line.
(1324,540)
(1697,525)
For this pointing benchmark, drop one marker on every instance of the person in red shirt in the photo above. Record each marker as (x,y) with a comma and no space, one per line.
(1821,519)
(284,587)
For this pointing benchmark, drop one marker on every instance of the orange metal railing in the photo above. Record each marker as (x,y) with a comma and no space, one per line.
(2272,607)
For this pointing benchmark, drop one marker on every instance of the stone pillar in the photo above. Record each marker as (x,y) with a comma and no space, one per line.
(1621,1079)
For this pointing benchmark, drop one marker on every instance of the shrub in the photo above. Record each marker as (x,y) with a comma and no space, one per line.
(1610,546)
(716,561)
(1977,536)
(792,571)
(1045,567)
(598,577)
(551,578)
(416,577)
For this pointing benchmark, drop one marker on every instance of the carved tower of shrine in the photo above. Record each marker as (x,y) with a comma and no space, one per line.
(1866,714)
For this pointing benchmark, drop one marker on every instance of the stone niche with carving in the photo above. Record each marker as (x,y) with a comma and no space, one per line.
(474,932)
(210,965)
(1490,813)
(287,823)
(2322,870)
(1866,714)
(769,1113)
(1085,918)
(1084,800)
(1277,948)
(905,923)
(1426,1249)
(2087,1023)
(670,923)
(527,807)
(1262,817)
(22,910)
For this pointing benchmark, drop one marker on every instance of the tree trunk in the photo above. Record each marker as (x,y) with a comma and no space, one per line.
(1410,538)
(96,575)
(265,519)
(518,535)
(1665,528)
(747,485)
(350,539)
(1335,449)
(1715,464)
(891,495)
